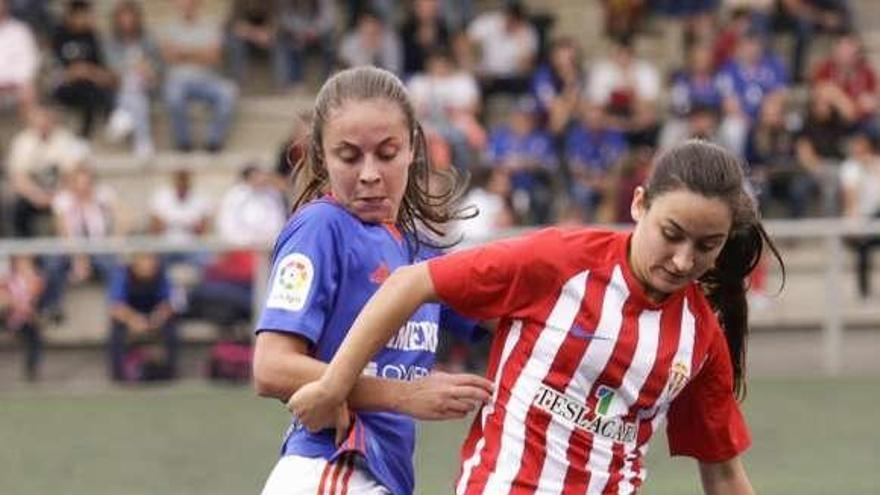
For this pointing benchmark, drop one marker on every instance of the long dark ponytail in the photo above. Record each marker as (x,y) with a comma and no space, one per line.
(713,172)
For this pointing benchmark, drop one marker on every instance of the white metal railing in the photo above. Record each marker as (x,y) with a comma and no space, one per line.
(831,231)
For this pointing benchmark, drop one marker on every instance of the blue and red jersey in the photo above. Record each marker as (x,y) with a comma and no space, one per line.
(326,265)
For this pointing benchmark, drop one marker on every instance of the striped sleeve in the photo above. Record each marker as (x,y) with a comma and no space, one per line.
(705,421)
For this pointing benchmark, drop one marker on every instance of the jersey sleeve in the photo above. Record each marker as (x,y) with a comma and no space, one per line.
(498,279)
(705,421)
(304,277)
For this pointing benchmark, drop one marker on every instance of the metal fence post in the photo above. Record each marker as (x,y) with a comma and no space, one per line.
(832,331)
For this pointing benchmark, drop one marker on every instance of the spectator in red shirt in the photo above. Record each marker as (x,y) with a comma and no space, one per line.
(847,68)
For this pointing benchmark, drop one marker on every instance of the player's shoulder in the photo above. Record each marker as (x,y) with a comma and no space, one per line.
(581,244)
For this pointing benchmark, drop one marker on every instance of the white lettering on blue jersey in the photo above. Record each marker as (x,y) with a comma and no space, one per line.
(415,336)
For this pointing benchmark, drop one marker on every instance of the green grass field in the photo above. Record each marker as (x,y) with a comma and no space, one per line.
(811,437)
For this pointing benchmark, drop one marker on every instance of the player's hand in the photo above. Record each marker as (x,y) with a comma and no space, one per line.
(315,407)
(441,396)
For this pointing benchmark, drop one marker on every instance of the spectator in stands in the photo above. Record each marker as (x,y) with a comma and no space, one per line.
(527,153)
(508,47)
(38,155)
(179,213)
(252,26)
(754,76)
(307,25)
(628,89)
(251,213)
(20,292)
(820,144)
(848,69)
(558,85)
(806,18)
(192,49)
(85,82)
(21,60)
(141,318)
(693,86)
(623,18)
(860,181)
(422,32)
(592,148)
(631,172)
(490,194)
(447,102)
(773,168)
(83,210)
(372,42)
(134,57)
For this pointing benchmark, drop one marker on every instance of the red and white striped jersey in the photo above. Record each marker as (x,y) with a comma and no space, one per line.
(586,367)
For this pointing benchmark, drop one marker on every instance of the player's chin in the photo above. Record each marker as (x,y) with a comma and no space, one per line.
(374,215)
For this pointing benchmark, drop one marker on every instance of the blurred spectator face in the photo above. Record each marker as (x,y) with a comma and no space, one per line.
(499,182)
(42,120)
(701,59)
(368,150)
(79,17)
(439,65)
(564,56)
(860,146)
(772,113)
(623,54)
(189,8)
(371,29)
(522,122)
(182,182)
(703,124)
(145,265)
(749,50)
(425,10)
(846,50)
(127,20)
(80,182)
(515,17)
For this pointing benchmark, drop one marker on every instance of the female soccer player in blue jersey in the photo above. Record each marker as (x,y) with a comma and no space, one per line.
(365,197)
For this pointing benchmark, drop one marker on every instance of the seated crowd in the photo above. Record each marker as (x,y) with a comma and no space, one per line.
(547,134)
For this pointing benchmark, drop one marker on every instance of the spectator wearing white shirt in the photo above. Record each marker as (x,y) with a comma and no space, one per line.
(181,215)
(21,60)
(447,102)
(83,209)
(252,210)
(38,155)
(860,185)
(372,42)
(628,89)
(508,45)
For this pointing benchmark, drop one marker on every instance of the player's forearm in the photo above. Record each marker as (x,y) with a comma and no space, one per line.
(725,478)
(280,376)
(389,308)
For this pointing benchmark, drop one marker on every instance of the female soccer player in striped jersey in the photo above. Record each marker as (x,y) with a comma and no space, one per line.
(602,337)
(362,191)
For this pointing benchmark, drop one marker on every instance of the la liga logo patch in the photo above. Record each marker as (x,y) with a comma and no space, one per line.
(291,283)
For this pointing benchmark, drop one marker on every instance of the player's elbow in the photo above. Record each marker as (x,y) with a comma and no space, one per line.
(265,380)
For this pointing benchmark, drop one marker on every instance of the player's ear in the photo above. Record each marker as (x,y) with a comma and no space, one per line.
(639,204)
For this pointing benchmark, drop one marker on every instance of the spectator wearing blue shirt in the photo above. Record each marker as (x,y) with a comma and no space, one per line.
(558,85)
(691,87)
(527,152)
(592,148)
(141,317)
(747,82)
